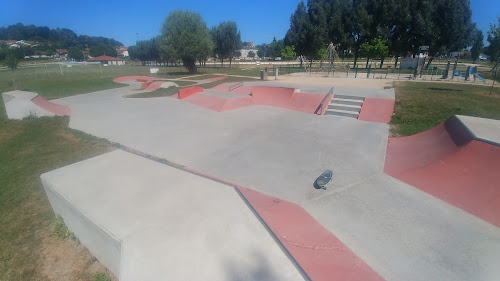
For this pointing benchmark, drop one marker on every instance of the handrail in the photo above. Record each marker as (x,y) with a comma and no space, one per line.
(234,86)
(320,107)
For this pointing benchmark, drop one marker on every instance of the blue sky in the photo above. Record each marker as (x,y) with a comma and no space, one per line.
(127,21)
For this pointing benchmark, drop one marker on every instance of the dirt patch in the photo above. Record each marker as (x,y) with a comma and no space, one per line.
(66,259)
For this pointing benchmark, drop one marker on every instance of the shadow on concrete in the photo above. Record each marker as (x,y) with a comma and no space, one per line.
(256,268)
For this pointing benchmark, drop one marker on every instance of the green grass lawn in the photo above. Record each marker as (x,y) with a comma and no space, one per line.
(29,148)
(423,105)
(55,82)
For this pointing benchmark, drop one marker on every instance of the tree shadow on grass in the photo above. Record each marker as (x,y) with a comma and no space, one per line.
(445,89)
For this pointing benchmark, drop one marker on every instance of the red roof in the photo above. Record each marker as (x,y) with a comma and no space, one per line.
(102,58)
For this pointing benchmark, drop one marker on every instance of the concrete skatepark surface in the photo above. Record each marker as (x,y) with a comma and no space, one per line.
(21,104)
(398,231)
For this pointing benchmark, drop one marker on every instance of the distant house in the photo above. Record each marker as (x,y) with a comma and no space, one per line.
(107,60)
(122,51)
(247,48)
(61,53)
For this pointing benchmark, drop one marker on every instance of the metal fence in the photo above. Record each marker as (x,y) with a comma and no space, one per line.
(451,72)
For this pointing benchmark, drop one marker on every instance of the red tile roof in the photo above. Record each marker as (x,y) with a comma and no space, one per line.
(102,58)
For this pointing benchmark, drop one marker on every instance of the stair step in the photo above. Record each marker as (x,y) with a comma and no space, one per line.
(341,101)
(349,97)
(338,113)
(346,105)
(345,108)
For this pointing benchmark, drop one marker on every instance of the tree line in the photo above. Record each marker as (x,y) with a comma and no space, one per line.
(403,25)
(48,40)
(186,37)
(60,38)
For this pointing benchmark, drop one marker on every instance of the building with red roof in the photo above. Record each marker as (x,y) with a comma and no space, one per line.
(107,60)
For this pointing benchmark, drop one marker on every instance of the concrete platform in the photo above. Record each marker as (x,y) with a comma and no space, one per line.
(22,104)
(19,105)
(482,128)
(148,221)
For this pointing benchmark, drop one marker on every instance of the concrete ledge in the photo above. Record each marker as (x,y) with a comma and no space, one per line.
(102,244)
(148,221)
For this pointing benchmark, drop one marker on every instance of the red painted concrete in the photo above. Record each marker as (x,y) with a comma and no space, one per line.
(153,86)
(322,255)
(218,104)
(287,98)
(184,93)
(465,176)
(377,110)
(148,83)
(57,109)
(271,96)
(224,87)
(215,79)
(318,252)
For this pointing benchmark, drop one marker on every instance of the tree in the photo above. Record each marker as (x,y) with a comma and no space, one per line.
(300,32)
(262,50)
(478,45)
(494,40)
(187,35)
(150,50)
(102,50)
(75,53)
(11,61)
(288,53)
(376,48)
(251,54)
(227,40)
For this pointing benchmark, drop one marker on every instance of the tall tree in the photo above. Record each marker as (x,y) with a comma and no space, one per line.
(361,24)
(477,45)
(300,32)
(11,61)
(319,16)
(227,40)
(102,50)
(494,40)
(75,53)
(187,34)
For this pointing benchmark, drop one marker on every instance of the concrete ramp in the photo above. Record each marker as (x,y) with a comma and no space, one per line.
(452,164)
(270,96)
(21,104)
(148,221)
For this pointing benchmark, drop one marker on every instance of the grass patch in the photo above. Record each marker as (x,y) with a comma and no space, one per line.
(102,277)
(29,148)
(55,82)
(423,105)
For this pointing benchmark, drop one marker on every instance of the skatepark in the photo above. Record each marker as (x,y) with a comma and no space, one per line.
(218,183)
